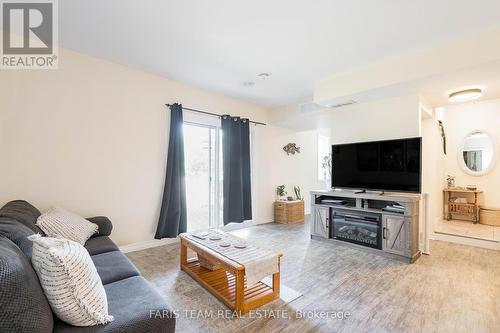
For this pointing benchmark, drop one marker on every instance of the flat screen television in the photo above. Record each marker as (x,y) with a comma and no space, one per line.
(390,165)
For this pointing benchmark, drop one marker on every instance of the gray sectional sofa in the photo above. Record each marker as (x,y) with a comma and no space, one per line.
(134,303)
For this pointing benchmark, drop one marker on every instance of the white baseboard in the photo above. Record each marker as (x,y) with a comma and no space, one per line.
(236,226)
(264,221)
(271,219)
(147,244)
(159,242)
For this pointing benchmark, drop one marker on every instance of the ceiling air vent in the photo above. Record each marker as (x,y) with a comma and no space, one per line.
(313,107)
(310,107)
(339,105)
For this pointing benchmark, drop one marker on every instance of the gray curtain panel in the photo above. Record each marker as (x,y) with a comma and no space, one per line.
(236,169)
(173,207)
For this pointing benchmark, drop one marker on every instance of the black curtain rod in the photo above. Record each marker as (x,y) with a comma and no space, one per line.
(215,114)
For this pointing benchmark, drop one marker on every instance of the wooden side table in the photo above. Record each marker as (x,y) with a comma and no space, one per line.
(469,209)
(289,211)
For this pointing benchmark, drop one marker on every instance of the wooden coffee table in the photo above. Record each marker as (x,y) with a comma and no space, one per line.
(228,282)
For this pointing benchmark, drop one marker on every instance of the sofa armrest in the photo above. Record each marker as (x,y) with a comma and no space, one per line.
(105,225)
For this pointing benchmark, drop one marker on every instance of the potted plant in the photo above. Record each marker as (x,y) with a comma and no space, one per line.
(450,180)
(327,170)
(280,192)
(297,191)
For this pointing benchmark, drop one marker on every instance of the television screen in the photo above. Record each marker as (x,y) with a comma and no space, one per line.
(391,165)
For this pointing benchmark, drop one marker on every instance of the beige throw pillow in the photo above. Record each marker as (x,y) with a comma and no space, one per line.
(57,222)
(70,281)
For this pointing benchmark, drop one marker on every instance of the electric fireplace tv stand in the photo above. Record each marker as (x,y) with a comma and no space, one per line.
(383,222)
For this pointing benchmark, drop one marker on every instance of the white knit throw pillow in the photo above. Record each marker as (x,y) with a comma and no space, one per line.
(57,222)
(70,281)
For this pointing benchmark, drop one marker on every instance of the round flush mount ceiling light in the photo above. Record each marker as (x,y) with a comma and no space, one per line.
(465,95)
(248,83)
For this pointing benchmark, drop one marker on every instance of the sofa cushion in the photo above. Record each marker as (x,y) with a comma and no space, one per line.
(136,306)
(113,266)
(70,281)
(18,233)
(23,305)
(100,244)
(23,212)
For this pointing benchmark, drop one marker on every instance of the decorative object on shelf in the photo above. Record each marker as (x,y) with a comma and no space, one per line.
(281,192)
(394,208)
(291,148)
(450,180)
(207,263)
(365,203)
(472,187)
(337,202)
(443,135)
(297,191)
(289,211)
(461,208)
(460,200)
(289,198)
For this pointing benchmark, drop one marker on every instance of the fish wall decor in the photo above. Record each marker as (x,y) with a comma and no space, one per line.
(291,148)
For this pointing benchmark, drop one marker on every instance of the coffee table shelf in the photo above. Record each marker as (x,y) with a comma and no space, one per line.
(223,284)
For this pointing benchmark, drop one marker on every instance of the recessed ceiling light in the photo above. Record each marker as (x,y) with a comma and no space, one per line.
(264,76)
(465,95)
(248,83)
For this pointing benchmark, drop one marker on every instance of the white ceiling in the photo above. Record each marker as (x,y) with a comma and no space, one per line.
(436,90)
(219,44)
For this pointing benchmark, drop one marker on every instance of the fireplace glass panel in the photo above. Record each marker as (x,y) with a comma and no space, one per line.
(357,229)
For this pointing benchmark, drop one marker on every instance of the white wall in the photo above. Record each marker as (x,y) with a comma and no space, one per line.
(390,118)
(92,137)
(433,167)
(299,169)
(385,119)
(461,120)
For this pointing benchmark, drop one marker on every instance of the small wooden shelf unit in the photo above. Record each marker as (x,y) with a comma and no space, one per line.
(459,210)
(228,283)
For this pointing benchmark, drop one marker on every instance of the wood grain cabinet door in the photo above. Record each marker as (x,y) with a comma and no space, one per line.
(394,235)
(320,222)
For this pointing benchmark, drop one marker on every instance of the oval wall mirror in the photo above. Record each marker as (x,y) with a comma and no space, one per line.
(476,155)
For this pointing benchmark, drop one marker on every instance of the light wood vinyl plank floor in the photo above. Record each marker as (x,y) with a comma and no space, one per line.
(455,289)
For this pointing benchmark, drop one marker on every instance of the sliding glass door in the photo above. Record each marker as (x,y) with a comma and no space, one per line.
(203,176)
